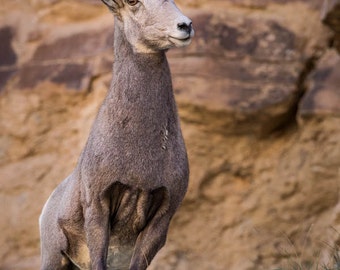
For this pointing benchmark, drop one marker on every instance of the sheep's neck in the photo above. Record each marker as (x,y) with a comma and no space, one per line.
(137,122)
(141,87)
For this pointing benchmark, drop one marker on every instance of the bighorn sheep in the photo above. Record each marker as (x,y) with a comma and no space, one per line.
(114,210)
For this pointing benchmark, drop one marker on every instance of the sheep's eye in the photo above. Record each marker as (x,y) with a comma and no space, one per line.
(132,2)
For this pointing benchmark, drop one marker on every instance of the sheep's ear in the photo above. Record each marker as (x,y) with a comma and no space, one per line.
(113,5)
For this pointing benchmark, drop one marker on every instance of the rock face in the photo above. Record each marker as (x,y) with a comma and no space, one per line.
(259,100)
(331,17)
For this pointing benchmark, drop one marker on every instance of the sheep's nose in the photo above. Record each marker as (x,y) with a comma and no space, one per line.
(185,27)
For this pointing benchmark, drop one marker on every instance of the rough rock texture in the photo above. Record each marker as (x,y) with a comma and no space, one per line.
(331,17)
(259,99)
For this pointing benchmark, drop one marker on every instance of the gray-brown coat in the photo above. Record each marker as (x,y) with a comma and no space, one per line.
(114,210)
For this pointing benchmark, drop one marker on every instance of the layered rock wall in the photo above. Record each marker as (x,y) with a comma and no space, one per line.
(258,96)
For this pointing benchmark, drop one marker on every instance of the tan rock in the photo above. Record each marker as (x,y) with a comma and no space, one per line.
(323,96)
(263,189)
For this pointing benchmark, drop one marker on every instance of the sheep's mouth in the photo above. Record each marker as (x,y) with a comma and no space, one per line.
(180,41)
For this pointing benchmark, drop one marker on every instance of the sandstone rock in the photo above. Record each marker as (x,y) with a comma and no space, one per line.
(253,4)
(73,76)
(4,77)
(330,14)
(251,91)
(75,46)
(7,56)
(331,17)
(323,96)
(64,12)
(253,202)
(65,61)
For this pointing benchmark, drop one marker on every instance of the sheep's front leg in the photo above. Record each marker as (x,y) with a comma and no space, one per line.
(149,242)
(97,232)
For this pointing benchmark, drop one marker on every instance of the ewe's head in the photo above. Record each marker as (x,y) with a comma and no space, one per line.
(152,25)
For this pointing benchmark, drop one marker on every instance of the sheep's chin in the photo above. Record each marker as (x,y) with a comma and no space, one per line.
(180,42)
